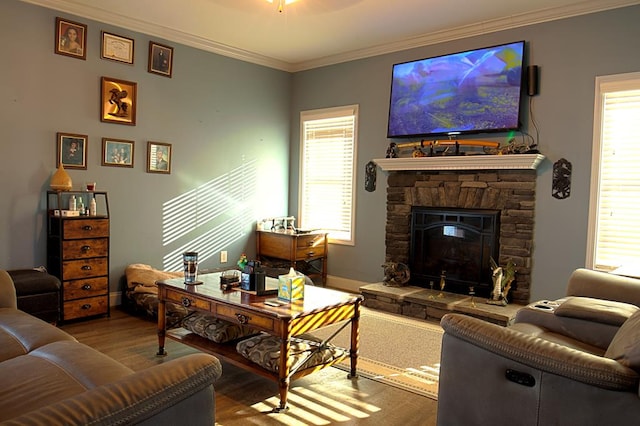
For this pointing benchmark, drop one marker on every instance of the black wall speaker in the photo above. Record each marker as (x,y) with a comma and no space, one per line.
(532,80)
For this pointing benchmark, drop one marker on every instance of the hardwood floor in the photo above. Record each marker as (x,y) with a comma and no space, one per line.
(323,398)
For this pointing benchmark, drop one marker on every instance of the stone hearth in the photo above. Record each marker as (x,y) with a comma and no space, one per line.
(432,305)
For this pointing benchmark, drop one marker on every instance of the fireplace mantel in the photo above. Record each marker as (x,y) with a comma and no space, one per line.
(464,162)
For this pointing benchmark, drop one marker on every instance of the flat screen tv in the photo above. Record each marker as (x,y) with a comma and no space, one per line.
(476,91)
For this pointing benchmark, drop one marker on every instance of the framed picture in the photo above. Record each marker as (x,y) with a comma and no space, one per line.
(71,38)
(118,101)
(160,59)
(117,152)
(72,150)
(158,157)
(117,48)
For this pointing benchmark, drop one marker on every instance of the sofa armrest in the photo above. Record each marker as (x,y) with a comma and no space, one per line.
(7,291)
(541,354)
(603,285)
(145,396)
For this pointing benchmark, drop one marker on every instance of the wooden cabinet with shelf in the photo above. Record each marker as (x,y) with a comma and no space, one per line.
(78,254)
(295,247)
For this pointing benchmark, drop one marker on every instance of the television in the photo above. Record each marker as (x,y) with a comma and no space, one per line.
(476,91)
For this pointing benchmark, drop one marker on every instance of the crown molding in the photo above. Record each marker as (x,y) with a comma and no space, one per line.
(97,13)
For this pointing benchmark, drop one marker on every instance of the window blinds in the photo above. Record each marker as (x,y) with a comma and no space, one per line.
(618,221)
(327,171)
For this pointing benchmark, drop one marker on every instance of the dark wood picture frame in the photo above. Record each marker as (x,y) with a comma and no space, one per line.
(72,150)
(117,152)
(160,59)
(71,39)
(159,156)
(117,48)
(118,101)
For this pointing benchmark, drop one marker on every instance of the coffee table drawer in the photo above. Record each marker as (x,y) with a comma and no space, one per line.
(251,319)
(186,300)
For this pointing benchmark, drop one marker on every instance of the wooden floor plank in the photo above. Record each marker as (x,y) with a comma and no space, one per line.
(242,398)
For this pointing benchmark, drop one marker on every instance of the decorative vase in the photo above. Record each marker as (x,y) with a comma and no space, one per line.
(61,181)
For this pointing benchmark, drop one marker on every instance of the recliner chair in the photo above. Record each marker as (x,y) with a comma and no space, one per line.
(572,361)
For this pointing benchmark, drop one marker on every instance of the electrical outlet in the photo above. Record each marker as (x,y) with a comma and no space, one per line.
(223,256)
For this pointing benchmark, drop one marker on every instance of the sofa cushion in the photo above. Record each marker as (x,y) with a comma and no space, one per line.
(53,372)
(219,331)
(625,346)
(264,350)
(21,333)
(596,310)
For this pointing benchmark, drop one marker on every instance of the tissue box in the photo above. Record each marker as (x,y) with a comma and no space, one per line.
(290,287)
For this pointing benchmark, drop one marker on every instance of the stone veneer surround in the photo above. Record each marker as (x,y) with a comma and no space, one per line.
(512,192)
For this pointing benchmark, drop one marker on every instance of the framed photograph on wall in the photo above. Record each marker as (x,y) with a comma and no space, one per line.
(71,150)
(117,48)
(71,39)
(160,59)
(158,157)
(117,152)
(118,101)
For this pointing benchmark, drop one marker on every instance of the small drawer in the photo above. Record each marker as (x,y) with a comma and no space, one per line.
(310,246)
(79,249)
(90,287)
(74,229)
(186,300)
(85,307)
(84,268)
(240,316)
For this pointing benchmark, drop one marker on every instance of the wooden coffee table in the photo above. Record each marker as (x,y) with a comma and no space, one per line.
(320,307)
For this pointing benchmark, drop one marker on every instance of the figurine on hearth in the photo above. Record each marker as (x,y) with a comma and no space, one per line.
(395,274)
(502,279)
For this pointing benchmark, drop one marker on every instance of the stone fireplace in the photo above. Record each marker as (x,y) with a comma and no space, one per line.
(504,185)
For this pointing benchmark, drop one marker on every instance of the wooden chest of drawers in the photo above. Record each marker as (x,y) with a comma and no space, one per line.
(293,247)
(78,254)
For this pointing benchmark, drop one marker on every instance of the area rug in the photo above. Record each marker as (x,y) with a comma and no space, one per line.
(396,350)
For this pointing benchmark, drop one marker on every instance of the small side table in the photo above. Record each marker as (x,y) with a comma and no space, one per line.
(294,247)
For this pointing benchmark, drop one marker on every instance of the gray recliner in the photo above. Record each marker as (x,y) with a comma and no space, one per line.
(572,361)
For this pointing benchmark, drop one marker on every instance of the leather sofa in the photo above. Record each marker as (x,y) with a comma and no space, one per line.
(48,377)
(572,361)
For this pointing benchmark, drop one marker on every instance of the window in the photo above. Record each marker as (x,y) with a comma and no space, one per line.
(614,228)
(327,171)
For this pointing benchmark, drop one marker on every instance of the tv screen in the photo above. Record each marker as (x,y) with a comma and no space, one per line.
(476,91)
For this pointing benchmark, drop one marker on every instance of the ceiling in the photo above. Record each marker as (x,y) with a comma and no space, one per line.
(314,33)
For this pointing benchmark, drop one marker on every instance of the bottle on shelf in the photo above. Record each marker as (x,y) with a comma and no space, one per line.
(80,206)
(72,203)
(92,207)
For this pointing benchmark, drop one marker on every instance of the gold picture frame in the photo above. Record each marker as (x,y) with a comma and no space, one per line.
(118,101)
(117,152)
(117,48)
(159,156)
(71,39)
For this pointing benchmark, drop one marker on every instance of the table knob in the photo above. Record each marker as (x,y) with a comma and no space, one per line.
(242,319)
(186,302)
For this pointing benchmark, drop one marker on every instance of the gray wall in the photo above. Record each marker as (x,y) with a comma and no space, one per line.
(228,122)
(570,54)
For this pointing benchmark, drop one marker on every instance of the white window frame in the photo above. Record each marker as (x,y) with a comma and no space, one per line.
(344,236)
(629,135)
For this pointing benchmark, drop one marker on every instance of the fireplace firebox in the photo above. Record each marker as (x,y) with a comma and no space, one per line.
(454,246)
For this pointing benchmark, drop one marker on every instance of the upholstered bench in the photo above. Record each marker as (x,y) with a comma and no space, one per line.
(38,293)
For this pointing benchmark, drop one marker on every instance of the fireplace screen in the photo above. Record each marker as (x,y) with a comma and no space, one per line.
(454,245)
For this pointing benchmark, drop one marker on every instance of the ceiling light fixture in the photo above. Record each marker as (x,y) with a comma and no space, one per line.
(281,3)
